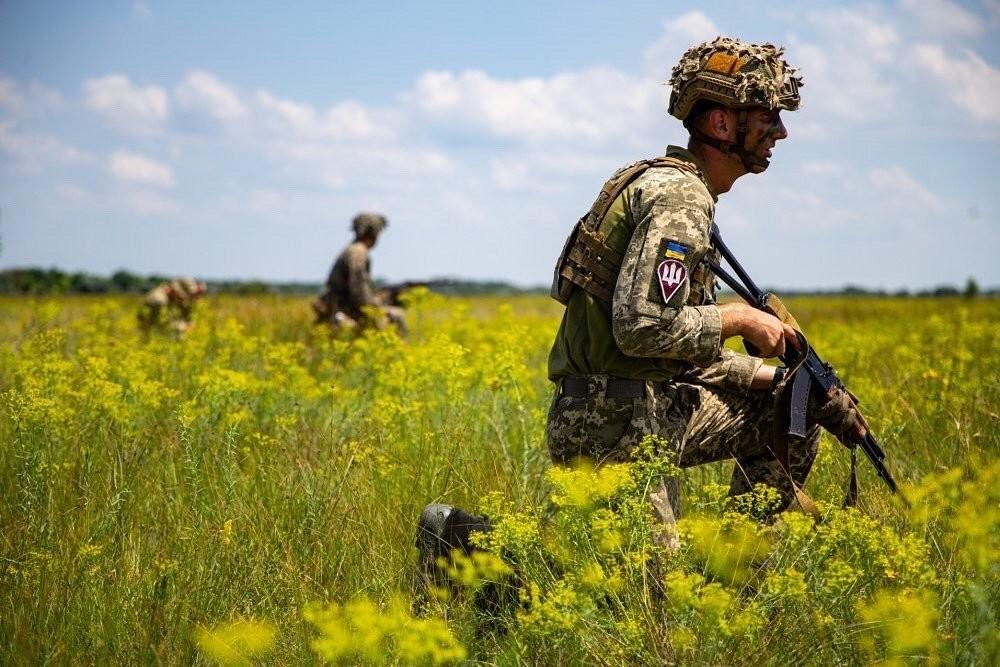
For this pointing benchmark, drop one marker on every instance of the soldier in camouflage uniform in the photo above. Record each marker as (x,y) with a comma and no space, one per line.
(640,347)
(168,306)
(640,351)
(350,299)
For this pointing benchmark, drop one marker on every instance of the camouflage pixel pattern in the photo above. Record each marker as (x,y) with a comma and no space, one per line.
(706,411)
(169,304)
(700,424)
(668,205)
(350,299)
(349,284)
(736,74)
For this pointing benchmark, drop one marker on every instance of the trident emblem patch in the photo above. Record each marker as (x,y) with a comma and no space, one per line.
(672,275)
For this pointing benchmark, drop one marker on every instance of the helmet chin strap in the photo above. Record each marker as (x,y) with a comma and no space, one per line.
(751,163)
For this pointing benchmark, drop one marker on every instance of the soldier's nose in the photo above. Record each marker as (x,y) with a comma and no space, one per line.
(780,131)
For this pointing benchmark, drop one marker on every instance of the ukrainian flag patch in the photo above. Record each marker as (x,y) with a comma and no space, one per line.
(675,250)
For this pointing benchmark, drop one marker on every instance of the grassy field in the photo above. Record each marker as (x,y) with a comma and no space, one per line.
(250,494)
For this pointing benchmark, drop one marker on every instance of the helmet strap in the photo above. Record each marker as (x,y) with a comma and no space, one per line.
(751,162)
(723,146)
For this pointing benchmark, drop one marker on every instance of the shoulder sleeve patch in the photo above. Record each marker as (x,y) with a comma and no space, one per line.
(670,285)
(672,276)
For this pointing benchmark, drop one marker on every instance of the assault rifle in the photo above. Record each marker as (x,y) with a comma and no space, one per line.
(819,374)
(390,293)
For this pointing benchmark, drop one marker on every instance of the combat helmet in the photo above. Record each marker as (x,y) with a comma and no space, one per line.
(368,223)
(735,74)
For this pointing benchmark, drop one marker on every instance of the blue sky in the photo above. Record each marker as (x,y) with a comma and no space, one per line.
(237,140)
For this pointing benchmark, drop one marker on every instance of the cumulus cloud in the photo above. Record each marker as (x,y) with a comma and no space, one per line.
(821,168)
(525,174)
(593,104)
(145,202)
(897,183)
(347,120)
(943,16)
(32,150)
(969,81)
(204,92)
(844,78)
(135,168)
(133,108)
(9,95)
(679,34)
(18,100)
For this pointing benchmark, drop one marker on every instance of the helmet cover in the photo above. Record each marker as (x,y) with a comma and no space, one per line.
(369,223)
(735,74)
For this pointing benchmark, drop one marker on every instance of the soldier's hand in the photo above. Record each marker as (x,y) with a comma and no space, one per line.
(841,417)
(768,334)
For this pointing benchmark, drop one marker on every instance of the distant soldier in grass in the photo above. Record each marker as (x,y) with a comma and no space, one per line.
(168,306)
(640,348)
(350,299)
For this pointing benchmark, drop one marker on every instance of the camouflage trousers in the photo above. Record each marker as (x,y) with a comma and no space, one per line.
(699,423)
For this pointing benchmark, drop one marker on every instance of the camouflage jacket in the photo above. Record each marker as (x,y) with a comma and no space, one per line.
(663,323)
(171,295)
(349,284)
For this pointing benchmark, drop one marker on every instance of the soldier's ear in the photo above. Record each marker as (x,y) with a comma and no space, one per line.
(719,124)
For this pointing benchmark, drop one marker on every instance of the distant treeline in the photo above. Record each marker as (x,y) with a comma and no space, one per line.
(34,280)
(54,281)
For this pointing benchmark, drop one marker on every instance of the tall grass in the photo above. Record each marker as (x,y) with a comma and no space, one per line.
(155,490)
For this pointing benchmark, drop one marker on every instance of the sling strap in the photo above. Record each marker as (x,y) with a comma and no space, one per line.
(791,398)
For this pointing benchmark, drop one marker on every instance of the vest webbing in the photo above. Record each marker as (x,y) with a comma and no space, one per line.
(587,261)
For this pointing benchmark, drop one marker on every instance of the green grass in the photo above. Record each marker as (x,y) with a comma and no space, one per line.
(151,488)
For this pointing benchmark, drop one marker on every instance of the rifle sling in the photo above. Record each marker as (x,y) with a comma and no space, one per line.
(791,399)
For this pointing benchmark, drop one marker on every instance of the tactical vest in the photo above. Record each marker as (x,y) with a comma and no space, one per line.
(587,261)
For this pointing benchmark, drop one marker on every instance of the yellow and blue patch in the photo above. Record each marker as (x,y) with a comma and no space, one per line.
(675,250)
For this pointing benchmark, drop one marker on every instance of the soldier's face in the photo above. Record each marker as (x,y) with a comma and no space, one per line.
(764,130)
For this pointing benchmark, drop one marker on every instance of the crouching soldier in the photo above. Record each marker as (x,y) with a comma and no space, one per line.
(169,306)
(350,300)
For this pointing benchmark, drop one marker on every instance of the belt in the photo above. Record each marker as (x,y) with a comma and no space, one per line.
(577,386)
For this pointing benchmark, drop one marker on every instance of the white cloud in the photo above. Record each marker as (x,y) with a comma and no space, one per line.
(149,203)
(10,97)
(967,79)
(593,104)
(943,16)
(844,77)
(204,92)
(348,120)
(130,107)
(679,35)
(904,190)
(141,9)
(520,175)
(73,193)
(821,168)
(871,36)
(135,168)
(34,150)
(36,98)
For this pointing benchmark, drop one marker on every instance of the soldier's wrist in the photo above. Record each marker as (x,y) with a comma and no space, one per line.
(779,375)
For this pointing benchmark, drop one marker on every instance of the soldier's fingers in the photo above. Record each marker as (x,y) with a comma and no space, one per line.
(779,348)
(860,431)
(791,336)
